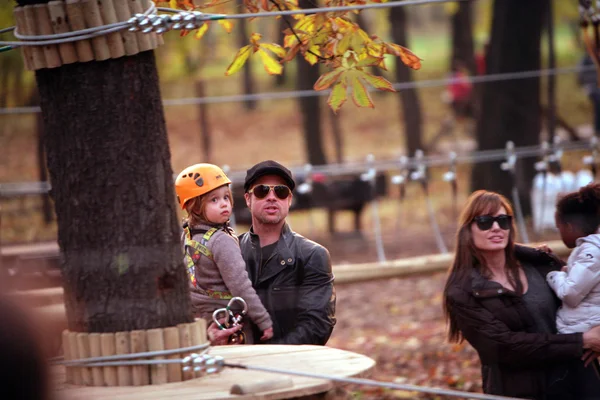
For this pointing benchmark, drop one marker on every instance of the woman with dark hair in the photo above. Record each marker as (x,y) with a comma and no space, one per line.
(496,297)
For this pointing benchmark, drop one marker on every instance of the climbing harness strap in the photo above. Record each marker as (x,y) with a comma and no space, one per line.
(193,251)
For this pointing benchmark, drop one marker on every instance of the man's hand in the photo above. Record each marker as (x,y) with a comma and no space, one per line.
(591,339)
(220,337)
(589,356)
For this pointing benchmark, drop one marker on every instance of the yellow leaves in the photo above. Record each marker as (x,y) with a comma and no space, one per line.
(239,60)
(226,24)
(273,67)
(350,75)
(201,31)
(264,50)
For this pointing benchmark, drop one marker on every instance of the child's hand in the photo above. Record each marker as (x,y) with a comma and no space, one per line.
(544,247)
(267,334)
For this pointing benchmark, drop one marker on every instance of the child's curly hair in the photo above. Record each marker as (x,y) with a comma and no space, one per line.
(581,208)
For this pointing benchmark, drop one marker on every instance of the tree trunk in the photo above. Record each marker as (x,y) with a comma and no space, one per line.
(248,81)
(336,130)
(205,133)
(112,184)
(411,106)
(41,156)
(462,37)
(511,109)
(551,114)
(309,106)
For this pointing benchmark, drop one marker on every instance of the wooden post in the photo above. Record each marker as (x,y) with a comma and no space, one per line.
(107,344)
(44,27)
(153,37)
(141,375)
(123,347)
(58,18)
(109,16)
(37,53)
(144,43)
(96,351)
(73,349)
(19,14)
(129,38)
(77,22)
(67,354)
(83,348)
(172,342)
(92,16)
(158,372)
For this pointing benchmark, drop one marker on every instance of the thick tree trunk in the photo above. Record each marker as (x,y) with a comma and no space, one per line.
(248,81)
(511,109)
(411,106)
(112,184)
(462,37)
(310,107)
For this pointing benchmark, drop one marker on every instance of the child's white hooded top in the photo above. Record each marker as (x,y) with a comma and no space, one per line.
(579,287)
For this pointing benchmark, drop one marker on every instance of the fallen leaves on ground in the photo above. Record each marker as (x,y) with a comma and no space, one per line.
(399,323)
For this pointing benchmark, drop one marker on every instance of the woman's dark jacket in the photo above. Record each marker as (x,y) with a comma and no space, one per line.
(515,360)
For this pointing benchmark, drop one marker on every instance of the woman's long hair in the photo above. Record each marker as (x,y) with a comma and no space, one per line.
(467,257)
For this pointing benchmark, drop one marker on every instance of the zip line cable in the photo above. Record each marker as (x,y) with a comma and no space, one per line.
(318,10)
(197,18)
(404,163)
(310,93)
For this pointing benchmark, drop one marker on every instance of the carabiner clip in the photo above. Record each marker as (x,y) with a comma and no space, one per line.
(215,317)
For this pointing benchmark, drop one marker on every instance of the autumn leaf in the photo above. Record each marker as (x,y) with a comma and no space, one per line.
(226,24)
(360,96)
(273,67)
(337,97)
(327,79)
(275,48)
(408,57)
(239,60)
(202,30)
(378,82)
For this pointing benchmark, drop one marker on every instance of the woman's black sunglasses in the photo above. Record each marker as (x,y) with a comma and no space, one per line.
(262,191)
(485,222)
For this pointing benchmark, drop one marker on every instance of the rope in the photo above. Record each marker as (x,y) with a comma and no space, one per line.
(310,93)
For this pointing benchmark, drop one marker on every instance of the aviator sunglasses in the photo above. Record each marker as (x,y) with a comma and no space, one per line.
(261,191)
(485,222)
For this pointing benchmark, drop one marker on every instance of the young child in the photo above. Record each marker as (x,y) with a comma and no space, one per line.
(215,265)
(578,284)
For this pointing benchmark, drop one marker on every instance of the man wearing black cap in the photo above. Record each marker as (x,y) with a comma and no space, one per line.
(291,274)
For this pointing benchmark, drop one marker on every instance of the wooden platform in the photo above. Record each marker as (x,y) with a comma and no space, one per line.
(312,359)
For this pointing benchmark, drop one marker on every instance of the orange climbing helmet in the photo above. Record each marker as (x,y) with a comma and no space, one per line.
(197,180)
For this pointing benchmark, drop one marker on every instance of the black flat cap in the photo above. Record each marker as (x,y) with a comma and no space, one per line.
(268,167)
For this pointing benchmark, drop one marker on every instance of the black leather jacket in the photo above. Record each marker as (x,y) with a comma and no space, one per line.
(295,286)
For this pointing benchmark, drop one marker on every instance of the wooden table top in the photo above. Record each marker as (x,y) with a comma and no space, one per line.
(311,359)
